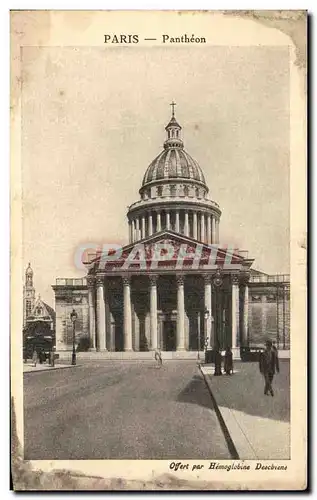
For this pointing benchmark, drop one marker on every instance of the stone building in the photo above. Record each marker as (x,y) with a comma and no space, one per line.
(38,317)
(173,286)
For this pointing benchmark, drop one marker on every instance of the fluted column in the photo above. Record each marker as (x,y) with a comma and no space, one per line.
(208,305)
(137,229)
(177,221)
(127,316)
(217,230)
(92,319)
(186,225)
(202,227)
(208,228)
(168,220)
(134,237)
(213,229)
(153,311)
(150,224)
(235,311)
(130,232)
(245,319)
(101,315)
(195,235)
(180,343)
(158,222)
(143,227)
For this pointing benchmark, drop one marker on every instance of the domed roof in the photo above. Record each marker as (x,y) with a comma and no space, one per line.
(29,270)
(173,162)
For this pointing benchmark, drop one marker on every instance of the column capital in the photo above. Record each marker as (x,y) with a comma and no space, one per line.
(153,279)
(207,279)
(234,279)
(100,280)
(217,278)
(126,280)
(91,281)
(180,279)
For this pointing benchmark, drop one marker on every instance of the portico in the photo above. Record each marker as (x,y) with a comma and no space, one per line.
(166,310)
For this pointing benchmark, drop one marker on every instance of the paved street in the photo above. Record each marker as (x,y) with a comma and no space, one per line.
(113,409)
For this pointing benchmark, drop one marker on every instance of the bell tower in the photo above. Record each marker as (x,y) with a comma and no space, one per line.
(28,293)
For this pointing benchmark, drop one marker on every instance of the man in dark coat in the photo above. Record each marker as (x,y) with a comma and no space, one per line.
(268,364)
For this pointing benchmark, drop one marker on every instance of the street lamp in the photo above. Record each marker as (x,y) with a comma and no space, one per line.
(206,316)
(73,317)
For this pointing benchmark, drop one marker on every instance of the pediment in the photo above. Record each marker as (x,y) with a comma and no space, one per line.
(168,250)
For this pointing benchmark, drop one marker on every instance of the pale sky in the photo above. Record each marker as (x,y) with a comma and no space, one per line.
(93,119)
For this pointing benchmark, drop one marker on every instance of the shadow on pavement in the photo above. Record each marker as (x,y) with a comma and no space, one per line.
(196,392)
(244,391)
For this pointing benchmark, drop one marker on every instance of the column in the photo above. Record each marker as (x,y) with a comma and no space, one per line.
(208,305)
(245,319)
(127,318)
(180,342)
(158,222)
(177,221)
(195,234)
(137,229)
(153,311)
(202,227)
(186,225)
(209,228)
(91,306)
(168,220)
(217,230)
(101,315)
(134,231)
(143,227)
(150,224)
(263,316)
(130,232)
(235,312)
(213,229)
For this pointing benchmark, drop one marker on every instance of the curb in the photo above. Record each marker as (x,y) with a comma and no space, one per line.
(50,369)
(231,446)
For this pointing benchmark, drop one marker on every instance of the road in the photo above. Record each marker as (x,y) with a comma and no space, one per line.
(121,410)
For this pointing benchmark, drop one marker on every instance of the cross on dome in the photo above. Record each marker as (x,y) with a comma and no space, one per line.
(173,104)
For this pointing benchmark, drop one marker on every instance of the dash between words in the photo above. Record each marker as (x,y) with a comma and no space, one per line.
(123,38)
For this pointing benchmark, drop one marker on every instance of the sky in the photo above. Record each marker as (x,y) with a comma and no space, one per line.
(93,119)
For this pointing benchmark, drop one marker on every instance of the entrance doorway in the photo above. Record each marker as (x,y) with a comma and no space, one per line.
(169,335)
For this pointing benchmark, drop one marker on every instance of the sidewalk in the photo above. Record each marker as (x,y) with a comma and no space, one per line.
(29,367)
(257,425)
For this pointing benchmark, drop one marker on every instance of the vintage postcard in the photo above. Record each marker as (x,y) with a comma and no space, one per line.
(158,319)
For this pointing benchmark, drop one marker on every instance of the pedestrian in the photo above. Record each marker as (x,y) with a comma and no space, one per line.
(34,357)
(158,358)
(228,363)
(268,364)
(218,362)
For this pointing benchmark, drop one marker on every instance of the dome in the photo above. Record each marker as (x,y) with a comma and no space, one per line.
(29,271)
(173,163)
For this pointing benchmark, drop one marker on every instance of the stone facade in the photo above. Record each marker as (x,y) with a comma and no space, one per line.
(181,300)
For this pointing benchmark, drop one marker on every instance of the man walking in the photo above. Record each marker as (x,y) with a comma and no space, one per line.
(268,364)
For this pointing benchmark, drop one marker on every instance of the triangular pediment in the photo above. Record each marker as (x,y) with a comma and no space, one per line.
(167,250)
(40,312)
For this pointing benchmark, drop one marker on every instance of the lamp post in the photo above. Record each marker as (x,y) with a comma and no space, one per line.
(73,317)
(206,316)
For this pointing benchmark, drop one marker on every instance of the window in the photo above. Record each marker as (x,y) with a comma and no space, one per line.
(159,191)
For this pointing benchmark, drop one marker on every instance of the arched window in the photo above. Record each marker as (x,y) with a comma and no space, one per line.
(159,191)
(173,190)
(186,190)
